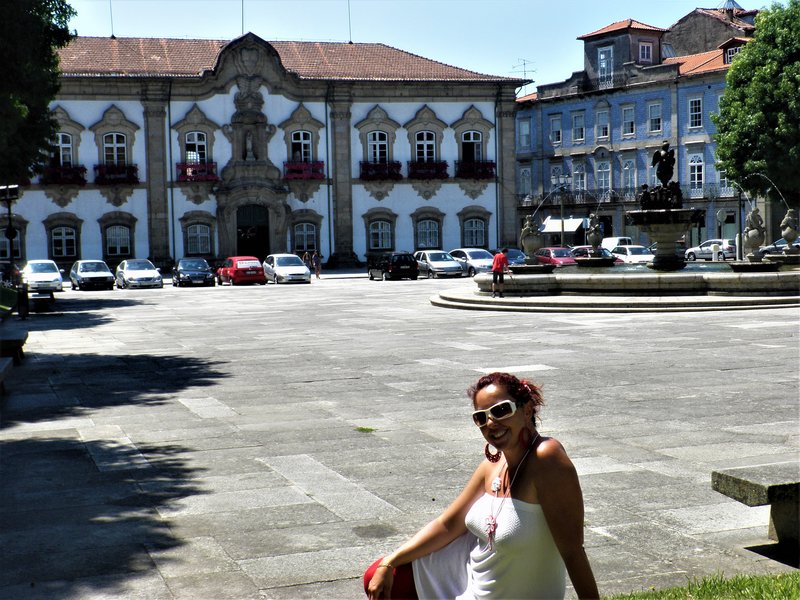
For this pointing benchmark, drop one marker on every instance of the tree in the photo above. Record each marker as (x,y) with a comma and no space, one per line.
(759,118)
(31,31)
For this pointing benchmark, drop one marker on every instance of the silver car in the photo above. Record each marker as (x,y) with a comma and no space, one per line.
(473,260)
(436,263)
(138,272)
(286,268)
(42,276)
(726,249)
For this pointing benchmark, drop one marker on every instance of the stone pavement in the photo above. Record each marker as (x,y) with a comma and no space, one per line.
(269,442)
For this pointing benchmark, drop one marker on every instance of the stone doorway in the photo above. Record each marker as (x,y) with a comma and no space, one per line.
(252,231)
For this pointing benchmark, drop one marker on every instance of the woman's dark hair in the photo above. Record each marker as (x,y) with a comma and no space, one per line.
(521,390)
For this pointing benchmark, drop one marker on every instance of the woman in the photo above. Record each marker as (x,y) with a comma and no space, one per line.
(516,527)
(307,261)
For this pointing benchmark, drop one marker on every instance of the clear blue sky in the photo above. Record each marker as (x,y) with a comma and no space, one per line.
(521,38)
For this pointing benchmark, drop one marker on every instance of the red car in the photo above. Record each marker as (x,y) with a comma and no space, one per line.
(560,257)
(241,269)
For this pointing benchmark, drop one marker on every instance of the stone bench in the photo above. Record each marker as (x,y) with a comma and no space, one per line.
(776,485)
(12,339)
(6,365)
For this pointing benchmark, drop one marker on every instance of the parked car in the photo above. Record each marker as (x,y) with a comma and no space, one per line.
(285,268)
(91,274)
(587,251)
(393,265)
(561,257)
(473,260)
(515,256)
(704,251)
(241,269)
(633,254)
(42,276)
(192,271)
(612,242)
(436,263)
(778,246)
(136,273)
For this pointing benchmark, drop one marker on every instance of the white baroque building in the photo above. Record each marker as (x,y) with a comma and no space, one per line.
(169,148)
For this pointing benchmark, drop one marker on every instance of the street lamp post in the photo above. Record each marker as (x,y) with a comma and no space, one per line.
(562,182)
(9,193)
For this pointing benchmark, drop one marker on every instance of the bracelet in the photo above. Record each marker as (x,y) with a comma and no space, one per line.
(385,566)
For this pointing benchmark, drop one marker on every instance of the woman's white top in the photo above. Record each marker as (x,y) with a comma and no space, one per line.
(523,563)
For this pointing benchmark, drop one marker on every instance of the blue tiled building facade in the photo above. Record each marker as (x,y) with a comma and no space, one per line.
(640,86)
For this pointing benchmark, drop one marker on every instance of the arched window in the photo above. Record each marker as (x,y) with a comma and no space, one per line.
(305,237)
(62,242)
(525,183)
(427,233)
(198,239)
(377,147)
(425,150)
(471,146)
(380,235)
(301,146)
(696,175)
(475,233)
(118,240)
(578,177)
(62,150)
(603,179)
(196,147)
(114,149)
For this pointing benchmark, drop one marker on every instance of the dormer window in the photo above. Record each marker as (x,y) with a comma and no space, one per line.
(730,53)
(646,52)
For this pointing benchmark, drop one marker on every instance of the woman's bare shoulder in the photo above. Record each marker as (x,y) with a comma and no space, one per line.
(550,453)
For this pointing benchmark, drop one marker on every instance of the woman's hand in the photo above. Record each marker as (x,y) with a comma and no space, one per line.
(380,587)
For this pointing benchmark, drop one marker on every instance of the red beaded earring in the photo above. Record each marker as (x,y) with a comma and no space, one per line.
(491,457)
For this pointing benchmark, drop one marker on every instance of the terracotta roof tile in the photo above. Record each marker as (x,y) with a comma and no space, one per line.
(720,14)
(621,26)
(529,97)
(308,60)
(697,64)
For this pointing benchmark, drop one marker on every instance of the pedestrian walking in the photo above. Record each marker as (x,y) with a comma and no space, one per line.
(307,262)
(316,261)
(499,269)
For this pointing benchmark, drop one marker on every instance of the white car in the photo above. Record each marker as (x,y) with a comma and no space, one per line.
(435,263)
(473,260)
(138,272)
(286,268)
(633,254)
(42,276)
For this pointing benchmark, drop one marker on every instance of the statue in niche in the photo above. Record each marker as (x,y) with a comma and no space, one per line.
(664,161)
(249,153)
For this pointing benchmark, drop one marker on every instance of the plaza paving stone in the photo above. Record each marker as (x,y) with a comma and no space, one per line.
(271,441)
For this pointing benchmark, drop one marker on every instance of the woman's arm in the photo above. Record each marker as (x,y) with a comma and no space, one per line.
(434,536)
(562,502)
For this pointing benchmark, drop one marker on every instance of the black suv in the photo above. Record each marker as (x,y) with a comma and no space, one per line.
(393,265)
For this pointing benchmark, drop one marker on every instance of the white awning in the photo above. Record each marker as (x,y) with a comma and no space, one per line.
(551,225)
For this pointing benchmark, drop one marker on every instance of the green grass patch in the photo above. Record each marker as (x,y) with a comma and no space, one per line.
(365,429)
(783,586)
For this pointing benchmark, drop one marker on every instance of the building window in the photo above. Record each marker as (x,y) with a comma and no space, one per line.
(605,67)
(603,174)
(629,175)
(62,242)
(425,146)
(730,53)
(628,121)
(696,175)
(602,124)
(114,149)
(428,233)
(525,181)
(578,177)
(645,52)
(695,112)
(555,129)
(654,118)
(62,150)
(305,237)
(301,146)
(377,147)
(475,233)
(196,147)
(15,246)
(525,134)
(118,240)
(725,186)
(198,239)
(555,174)
(471,146)
(380,235)
(578,128)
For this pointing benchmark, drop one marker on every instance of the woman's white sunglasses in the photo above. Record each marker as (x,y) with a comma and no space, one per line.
(498,412)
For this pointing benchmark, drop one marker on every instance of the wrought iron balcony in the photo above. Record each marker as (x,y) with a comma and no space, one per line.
(197,171)
(296,169)
(58,175)
(374,171)
(428,169)
(475,169)
(116,174)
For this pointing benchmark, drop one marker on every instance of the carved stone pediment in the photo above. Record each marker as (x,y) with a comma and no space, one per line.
(303,189)
(473,187)
(62,195)
(196,191)
(379,189)
(426,189)
(116,195)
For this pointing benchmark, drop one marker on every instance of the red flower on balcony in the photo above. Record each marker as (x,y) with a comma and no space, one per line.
(427,169)
(380,171)
(197,171)
(58,175)
(303,170)
(116,174)
(475,169)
